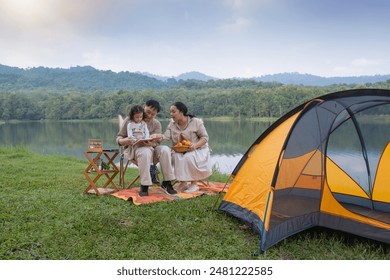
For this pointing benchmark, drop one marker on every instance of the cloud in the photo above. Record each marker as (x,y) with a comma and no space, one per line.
(58,33)
(92,57)
(364,62)
(242,14)
(246,6)
(223,38)
(237,24)
(23,17)
(362,66)
(42,18)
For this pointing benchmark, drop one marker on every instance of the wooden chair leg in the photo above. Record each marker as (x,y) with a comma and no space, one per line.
(132,182)
(122,172)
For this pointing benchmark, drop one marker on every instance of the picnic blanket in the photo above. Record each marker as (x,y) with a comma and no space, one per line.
(157,194)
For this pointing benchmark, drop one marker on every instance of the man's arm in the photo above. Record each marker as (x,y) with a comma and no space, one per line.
(155,129)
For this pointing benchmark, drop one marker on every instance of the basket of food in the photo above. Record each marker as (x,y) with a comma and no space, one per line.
(95,145)
(180,149)
(182,146)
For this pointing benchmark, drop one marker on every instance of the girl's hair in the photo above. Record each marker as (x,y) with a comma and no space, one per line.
(135,110)
(183,108)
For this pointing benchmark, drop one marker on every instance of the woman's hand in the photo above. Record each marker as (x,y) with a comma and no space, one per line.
(197,145)
(192,147)
(158,137)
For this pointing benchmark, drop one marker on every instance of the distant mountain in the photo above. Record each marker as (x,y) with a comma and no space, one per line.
(195,76)
(312,80)
(87,79)
(157,77)
(185,76)
(284,78)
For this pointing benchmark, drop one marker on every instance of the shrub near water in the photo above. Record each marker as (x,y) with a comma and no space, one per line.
(45,216)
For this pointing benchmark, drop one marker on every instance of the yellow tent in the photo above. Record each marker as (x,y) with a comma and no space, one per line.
(322,164)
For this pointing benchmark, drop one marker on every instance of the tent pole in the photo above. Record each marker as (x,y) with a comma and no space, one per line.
(220,193)
(264,221)
(364,152)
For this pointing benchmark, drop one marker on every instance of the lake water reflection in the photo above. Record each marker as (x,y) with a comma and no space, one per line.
(229,140)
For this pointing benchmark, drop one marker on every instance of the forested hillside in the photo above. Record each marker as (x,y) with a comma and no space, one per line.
(84,93)
(203,101)
(76,79)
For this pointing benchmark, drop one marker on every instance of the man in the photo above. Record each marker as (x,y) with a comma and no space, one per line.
(144,155)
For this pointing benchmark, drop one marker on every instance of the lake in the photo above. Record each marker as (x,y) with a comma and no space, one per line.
(229,140)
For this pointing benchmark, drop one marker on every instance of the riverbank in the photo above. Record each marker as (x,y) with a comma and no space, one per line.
(45,216)
(226,118)
(115,120)
(378,118)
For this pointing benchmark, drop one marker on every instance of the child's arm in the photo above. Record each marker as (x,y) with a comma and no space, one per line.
(129,131)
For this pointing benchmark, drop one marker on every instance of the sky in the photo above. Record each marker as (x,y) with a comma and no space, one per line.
(220,38)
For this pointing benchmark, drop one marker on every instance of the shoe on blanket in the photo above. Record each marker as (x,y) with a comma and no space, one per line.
(154,169)
(167,187)
(181,187)
(155,179)
(144,191)
(192,188)
(153,174)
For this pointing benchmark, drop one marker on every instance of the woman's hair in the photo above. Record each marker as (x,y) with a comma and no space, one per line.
(135,110)
(183,108)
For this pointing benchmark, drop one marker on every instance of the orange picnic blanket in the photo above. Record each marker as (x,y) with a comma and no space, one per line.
(157,194)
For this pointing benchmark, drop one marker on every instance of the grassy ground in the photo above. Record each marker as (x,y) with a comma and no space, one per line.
(44,215)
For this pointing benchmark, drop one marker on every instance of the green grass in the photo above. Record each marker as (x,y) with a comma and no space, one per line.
(44,215)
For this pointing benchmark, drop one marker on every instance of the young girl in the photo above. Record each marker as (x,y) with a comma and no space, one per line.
(137,128)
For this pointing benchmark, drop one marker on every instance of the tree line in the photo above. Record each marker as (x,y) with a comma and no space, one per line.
(245,99)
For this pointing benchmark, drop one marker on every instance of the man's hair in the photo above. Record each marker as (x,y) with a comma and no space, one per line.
(153,104)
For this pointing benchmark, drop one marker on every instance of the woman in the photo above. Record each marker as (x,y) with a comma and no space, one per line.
(195,164)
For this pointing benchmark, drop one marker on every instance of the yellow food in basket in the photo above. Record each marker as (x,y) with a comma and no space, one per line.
(184,143)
